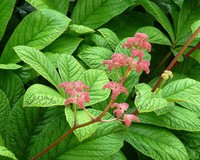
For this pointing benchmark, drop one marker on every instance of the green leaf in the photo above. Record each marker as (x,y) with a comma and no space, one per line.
(176,119)
(63,45)
(59,5)
(110,37)
(38,29)
(39,95)
(21,129)
(76,30)
(81,117)
(158,143)
(190,139)
(117,156)
(6,9)
(195,26)
(5,154)
(96,79)
(189,13)
(155,35)
(106,141)
(94,14)
(39,62)
(191,107)
(146,101)
(129,22)
(94,56)
(12,86)
(188,67)
(69,68)
(10,66)
(4,112)
(183,90)
(159,15)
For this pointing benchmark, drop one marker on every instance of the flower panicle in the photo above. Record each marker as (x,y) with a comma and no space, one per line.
(77,92)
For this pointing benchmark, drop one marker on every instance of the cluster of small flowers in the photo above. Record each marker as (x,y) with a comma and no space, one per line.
(77,92)
(167,75)
(136,45)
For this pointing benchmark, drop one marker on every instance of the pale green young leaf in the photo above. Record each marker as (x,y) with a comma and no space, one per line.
(59,5)
(10,66)
(155,142)
(6,9)
(69,68)
(155,35)
(95,13)
(106,141)
(38,29)
(195,26)
(159,15)
(5,154)
(39,62)
(110,37)
(81,117)
(76,30)
(183,90)
(39,95)
(94,56)
(4,113)
(146,101)
(177,119)
(96,79)
(189,13)
(63,45)
(12,86)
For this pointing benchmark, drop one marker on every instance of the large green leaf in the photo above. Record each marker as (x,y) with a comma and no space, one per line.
(189,13)
(21,126)
(183,90)
(129,22)
(76,30)
(59,5)
(190,139)
(158,143)
(5,154)
(69,68)
(4,113)
(155,35)
(117,156)
(159,15)
(94,56)
(96,79)
(38,30)
(39,62)
(146,101)
(6,8)
(12,86)
(191,107)
(81,117)
(42,96)
(63,45)
(10,66)
(110,37)
(189,67)
(106,141)
(95,13)
(176,119)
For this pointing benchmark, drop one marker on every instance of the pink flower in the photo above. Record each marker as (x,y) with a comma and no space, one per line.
(142,65)
(116,88)
(76,93)
(72,87)
(118,60)
(139,41)
(121,107)
(128,119)
(138,53)
(79,99)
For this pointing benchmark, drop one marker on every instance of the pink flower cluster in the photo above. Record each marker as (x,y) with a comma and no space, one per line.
(77,92)
(135,44)
(116,88)
(119,111)
(139,41)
